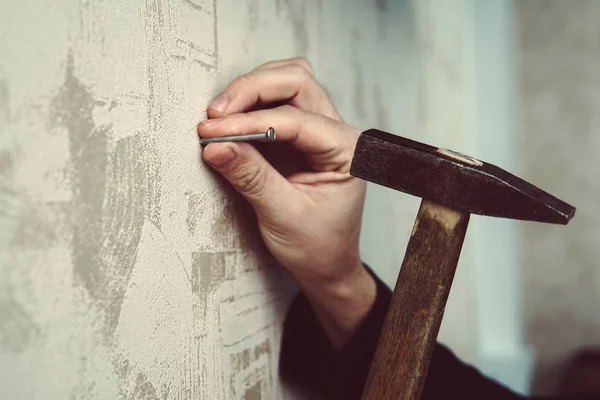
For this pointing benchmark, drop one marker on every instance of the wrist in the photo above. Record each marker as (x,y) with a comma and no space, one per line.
(342,304)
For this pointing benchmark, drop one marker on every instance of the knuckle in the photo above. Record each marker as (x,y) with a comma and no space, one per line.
(292,111)
(268,64)
(252,181)
(243,80)
(303,74)
(287,108)
(304,63)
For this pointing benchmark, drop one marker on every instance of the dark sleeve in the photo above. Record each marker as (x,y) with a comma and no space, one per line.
(311,365)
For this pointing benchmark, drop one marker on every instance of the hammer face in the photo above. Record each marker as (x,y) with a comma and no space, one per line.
(452,179)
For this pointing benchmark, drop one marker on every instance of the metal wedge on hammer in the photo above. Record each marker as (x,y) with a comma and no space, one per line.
(452,186)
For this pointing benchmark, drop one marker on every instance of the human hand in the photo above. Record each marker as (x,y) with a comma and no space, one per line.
(309,218)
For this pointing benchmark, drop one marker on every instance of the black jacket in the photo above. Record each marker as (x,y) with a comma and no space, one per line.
(311,365)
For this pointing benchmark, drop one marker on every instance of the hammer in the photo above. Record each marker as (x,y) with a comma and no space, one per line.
(452,186)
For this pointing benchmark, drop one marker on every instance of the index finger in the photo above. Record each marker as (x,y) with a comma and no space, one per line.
(328,144)
(289,83)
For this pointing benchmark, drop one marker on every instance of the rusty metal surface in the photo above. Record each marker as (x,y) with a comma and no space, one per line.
(425,171)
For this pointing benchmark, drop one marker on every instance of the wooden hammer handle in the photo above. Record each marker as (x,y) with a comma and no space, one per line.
(401,361)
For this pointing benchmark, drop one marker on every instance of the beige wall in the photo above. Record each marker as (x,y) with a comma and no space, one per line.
(559,114)
(432,104)
(126,268)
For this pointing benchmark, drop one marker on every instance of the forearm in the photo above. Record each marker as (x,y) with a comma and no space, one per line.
(309,359)
(341,306)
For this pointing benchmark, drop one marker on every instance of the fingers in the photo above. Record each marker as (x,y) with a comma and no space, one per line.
(300,61)
(274,82)
(251,175)
(329,144)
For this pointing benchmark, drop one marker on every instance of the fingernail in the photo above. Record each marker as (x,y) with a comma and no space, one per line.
(222,158)
(210,122)
(220,103)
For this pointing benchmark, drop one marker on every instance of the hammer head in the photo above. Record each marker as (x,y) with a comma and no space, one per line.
(452,179)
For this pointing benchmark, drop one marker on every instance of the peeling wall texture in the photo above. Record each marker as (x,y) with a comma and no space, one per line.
(559,85)
(126,267)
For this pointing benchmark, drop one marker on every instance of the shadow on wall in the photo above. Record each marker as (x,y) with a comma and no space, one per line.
(578,374)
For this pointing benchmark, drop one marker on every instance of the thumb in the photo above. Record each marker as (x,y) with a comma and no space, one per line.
(249,173)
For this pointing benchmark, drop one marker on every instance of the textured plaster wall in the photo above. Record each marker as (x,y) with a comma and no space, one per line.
(126,267)
(559,88)
(444,119)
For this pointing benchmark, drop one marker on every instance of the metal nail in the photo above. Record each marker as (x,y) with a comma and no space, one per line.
(268,136)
